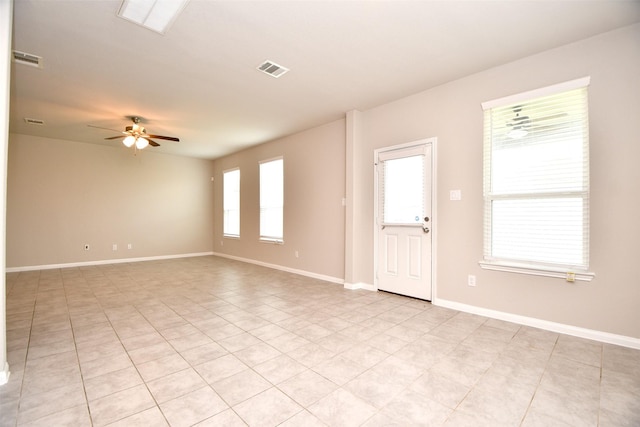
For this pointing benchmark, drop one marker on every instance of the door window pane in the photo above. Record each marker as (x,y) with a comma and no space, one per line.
(403,190)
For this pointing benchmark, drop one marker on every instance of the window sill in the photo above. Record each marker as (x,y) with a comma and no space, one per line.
(566,274)
(273,241)
(231,236)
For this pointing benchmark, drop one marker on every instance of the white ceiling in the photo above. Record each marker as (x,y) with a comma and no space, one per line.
(199,81)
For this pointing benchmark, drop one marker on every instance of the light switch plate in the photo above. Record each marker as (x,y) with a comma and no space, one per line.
(455,195)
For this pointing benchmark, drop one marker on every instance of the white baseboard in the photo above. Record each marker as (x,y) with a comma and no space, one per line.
(103,262)
(360,285)
(561,328)
(283,268)
(4,374)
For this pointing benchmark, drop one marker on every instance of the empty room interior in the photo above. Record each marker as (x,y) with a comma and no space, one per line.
(320,213)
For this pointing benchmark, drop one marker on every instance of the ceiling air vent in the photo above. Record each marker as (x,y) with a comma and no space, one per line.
(38,122)
(273,69)
(27,59)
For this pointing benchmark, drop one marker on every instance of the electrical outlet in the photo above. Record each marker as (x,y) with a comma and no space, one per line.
(114,247)
(130,246)
(297,254)
(471,280)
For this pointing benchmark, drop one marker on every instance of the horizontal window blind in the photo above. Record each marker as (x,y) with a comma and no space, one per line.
(536,181)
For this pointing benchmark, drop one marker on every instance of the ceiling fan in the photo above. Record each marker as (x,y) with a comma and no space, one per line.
(136,135)
(520,125)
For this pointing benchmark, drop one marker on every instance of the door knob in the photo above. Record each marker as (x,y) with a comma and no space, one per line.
(426,219)
(425,229)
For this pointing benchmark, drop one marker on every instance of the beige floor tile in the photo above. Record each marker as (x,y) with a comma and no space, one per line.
(76,416)
(37,384)
(387,343)
(193,407)
(120,405)
(440,389)
(257,353)
(220,368)
(341,408)
(287,342)
(149,417)
(575,407)
(204,353)
(190,341)
(140,341)
(307,387)
(279,369)
(269,408)
(36,406)
(506,405)
(106,347)
(97,367)
(240,387)
(226,418)
(179,331)
(374,388)
(161,367)
(111,382)
(152,352)
(414,409)
(175,385)
(579,349)
(303,418)
(311,354)
(37,351)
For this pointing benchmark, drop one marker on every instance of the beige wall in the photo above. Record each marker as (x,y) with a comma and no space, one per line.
(64,194)
(453,114)
(314,185)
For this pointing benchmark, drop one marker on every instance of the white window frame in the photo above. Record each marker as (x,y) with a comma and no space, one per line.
(226,212)
(568,272)
(265,237)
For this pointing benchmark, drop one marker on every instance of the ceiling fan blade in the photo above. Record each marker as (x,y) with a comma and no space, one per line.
(116,137)
(168,138)
(99,127)
(151,142)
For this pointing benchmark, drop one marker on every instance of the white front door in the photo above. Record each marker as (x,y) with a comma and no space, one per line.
(404,222)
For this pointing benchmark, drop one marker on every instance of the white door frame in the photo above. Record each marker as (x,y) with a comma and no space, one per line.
(433,141)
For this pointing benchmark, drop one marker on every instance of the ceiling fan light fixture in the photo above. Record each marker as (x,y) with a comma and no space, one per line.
(517,133)
(129,141)
(141,143)
(156,15)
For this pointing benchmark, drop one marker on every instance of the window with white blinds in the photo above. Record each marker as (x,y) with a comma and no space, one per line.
(536,181)
(272,200)
(231,203)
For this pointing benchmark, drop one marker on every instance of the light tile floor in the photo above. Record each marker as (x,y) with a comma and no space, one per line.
(212,342)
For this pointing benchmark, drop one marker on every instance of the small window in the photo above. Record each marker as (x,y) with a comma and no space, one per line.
(272,200)
(536,182)
(231,203)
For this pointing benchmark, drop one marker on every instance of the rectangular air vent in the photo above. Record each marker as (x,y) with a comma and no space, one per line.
(273,69)
(38,122)
(27,59)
